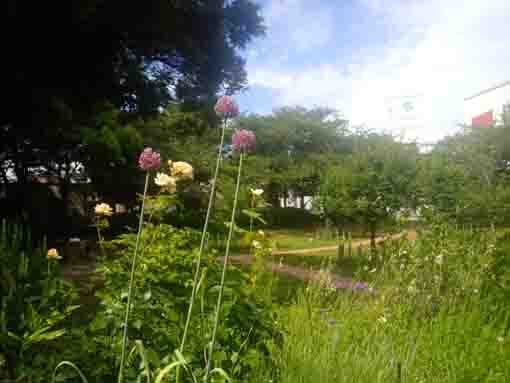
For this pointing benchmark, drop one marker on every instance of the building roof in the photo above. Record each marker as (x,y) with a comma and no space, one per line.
(501,85)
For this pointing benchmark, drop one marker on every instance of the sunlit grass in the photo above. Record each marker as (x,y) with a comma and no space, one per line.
(425,320)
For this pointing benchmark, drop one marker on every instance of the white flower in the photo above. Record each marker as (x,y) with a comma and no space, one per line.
(256,192)
(256,244)
(382,320)
(261,233)
(103,209)
(165,181)
(500,339)
(439,259)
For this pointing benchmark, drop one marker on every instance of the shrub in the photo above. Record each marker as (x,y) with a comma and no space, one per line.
(163,280)
(34,302)
(290,217)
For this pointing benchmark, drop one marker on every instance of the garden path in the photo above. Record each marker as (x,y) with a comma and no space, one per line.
(307,274)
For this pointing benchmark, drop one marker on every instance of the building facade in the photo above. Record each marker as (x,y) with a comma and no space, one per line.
(486,107)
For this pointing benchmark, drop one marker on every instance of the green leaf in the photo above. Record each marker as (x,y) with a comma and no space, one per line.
(145,362)
(221,372)
(254,215)
(166,370)
(73,366)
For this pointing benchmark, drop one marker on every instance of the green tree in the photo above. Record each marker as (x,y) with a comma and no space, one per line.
(135,56)
(294,143)
(370,185)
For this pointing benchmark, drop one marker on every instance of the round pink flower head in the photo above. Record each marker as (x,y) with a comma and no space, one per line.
(149,160)
(226,107)
(243,140)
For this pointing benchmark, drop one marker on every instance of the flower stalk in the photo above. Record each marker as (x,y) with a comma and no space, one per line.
(226,108)
(202,242)
(131,281)
(224,272)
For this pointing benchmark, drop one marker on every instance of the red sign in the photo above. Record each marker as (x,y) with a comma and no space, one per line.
(484,119)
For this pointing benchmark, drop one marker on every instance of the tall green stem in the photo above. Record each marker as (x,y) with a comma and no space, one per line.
(225,262)
(202,242)
(131,282)
(100,237)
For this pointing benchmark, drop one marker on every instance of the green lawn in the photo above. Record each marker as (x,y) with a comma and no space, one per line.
(300,239)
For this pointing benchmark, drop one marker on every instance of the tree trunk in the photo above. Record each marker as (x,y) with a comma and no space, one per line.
(372,235)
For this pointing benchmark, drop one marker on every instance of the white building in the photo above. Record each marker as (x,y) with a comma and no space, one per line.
(486,107)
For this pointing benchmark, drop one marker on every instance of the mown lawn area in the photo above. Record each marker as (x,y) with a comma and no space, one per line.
(293,239)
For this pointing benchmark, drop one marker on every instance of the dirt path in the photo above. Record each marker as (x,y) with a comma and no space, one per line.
(411,235)
(306,274)
(303,273)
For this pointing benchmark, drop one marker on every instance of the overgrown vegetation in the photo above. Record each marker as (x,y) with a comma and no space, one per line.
(160,301)
(435,311)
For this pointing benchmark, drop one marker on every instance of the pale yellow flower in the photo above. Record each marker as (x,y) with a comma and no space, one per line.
(103,209)
(256,192)
(165,182)
(182,169)
(53,254)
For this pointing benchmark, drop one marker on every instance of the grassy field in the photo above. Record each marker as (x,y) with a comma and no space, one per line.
(343,266)
(437,313)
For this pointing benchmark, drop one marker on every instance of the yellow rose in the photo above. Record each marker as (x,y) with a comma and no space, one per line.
(53,254)
(182,169)
(103,209)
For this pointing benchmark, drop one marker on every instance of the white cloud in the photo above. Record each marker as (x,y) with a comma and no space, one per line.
(441,51)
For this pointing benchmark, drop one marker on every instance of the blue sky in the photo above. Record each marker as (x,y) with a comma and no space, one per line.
(367,57)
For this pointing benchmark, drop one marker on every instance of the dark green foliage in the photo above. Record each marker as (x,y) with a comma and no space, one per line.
(163,284)
(290,217)
(68,60)
(34,302)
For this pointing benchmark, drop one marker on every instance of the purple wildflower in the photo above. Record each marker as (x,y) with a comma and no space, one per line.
(243,140)
(359,286)
(226,107)
(149,160)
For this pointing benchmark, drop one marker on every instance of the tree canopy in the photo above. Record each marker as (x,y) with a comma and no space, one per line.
(70,58)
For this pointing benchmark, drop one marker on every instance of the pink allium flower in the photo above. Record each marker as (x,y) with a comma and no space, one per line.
(243,140)
(149,160)
(226,107)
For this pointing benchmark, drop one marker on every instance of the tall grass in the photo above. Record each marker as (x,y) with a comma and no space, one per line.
(434,319)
